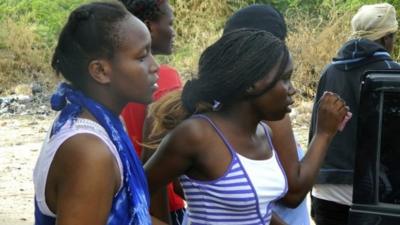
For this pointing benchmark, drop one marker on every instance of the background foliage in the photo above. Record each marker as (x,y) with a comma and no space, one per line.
(317,28)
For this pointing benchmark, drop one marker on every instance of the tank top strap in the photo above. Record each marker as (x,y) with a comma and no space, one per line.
(218,131)
(268,135)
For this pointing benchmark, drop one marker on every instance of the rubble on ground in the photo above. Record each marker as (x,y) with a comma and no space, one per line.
(35,103)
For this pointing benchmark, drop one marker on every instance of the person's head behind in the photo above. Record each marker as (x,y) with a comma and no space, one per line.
(102,44)
(158,16)
(232,65)
(376,22)
(258,16)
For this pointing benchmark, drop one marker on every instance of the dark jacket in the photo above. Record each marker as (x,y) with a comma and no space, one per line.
(343,76)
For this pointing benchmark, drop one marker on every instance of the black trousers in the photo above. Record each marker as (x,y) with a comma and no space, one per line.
(329,213)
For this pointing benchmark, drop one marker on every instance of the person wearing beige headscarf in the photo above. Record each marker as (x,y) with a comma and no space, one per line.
(374,22)
(371,42)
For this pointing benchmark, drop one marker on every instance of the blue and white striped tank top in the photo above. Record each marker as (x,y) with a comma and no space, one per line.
(235,198)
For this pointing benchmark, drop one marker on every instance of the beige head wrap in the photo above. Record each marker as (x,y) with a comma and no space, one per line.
(374,21)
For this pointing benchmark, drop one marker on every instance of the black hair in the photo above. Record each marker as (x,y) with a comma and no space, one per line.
(90,32)
(231,65)
(258,16)
(144,9)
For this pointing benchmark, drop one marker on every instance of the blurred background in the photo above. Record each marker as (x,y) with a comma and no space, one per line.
(29,30)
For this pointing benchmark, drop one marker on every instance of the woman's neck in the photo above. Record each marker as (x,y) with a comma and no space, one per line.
(240,117)
(102,96)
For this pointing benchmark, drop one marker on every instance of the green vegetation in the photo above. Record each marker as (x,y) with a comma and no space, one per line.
(316,28)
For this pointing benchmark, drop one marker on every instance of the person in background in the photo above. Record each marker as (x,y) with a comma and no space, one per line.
(158,17)
(87,171)
(373,35)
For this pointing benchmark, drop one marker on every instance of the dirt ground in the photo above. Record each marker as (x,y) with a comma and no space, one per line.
(20,142)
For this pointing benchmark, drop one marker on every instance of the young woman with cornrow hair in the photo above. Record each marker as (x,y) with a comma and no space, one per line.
(228,169)
(267,18)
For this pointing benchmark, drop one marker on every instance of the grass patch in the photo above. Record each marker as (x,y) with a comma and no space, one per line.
(23,57)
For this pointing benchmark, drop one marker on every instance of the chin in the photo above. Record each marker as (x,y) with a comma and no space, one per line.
(148,101)
(280,117)
(275,117)
(168,51)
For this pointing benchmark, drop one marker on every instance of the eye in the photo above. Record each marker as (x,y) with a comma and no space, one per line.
(143,56)
(286,77)
(287,74)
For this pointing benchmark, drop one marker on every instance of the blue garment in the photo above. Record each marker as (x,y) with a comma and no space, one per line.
(131,204)
(296,216)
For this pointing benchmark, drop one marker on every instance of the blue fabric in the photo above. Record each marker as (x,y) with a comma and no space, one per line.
(131,204)
(41,219)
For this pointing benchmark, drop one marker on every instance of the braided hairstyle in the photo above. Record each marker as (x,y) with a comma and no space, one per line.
(144,9)
(226,69)
(233,64)
(91,32)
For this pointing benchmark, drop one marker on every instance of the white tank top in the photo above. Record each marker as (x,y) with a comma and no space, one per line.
(50,147)
(267,177)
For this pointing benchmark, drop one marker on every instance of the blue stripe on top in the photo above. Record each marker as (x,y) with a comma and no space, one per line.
(230,199)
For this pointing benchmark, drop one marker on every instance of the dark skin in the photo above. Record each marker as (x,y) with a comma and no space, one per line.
(159,201)
(184,150)
(302,174)
(84,175)
(162,37)
(162,31)
(387,41)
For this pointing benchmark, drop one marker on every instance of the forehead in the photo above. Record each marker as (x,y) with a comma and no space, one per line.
(289,65)
(166,10)
(277,71)
(133,33)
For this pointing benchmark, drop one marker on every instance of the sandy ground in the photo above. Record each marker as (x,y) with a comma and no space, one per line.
(20,143)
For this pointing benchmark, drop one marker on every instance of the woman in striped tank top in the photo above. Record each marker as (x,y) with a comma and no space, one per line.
(229,172)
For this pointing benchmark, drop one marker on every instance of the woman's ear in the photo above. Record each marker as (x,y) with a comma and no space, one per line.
(150,25)
(388,42)
(100,71)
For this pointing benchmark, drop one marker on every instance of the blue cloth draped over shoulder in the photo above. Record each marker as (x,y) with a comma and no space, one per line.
(131,204)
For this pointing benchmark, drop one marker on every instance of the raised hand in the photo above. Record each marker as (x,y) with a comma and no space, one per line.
(332,114)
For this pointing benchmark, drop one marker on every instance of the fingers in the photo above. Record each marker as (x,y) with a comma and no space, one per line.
(332,111)
(334,99)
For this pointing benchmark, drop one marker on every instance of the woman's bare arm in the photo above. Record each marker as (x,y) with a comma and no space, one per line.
(302,174)
(82,182)
(176,154)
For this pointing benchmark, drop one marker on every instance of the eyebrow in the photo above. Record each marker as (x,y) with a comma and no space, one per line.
(145,45)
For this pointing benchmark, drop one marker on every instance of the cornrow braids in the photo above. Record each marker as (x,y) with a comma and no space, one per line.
(91,32)
(144,9)
(231,65)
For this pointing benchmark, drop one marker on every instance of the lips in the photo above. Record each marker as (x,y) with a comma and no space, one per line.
(154,87)
(291,102)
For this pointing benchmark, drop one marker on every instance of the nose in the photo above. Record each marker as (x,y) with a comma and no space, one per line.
(153,69)
(154,66)
(173,33)
(291,90)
